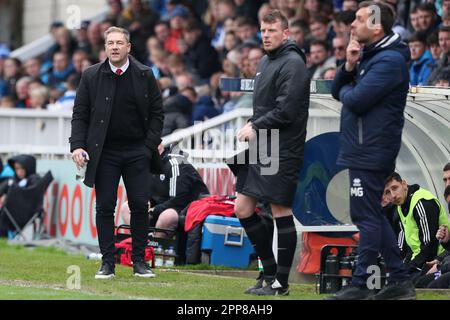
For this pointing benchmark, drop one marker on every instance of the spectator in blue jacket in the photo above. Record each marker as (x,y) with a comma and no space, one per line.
(422,61)
(373,85)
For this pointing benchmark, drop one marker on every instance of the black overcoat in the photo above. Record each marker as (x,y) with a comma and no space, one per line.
(92,112)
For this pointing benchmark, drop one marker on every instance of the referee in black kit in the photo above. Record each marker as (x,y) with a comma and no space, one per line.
(117,120)
(280,105)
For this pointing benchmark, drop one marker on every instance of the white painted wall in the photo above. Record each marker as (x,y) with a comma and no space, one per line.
(38,14)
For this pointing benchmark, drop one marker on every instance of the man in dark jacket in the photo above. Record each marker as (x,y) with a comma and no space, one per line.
(280,105)
(116,124)
(372,86)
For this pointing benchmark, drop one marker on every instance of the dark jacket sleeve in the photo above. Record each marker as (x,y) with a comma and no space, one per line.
(4,187)
(342,78)
(383,77)
(445,263)
(80,116)
(291,86)
(180,191)
(426,214)
(155,113)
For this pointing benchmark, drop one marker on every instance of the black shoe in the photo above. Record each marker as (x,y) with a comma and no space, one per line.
(258,285)
(403,290)
(143,270)
(106,271)
(272,289)
(352,292)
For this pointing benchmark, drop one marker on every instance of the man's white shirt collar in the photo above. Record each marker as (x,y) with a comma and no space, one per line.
(123,68)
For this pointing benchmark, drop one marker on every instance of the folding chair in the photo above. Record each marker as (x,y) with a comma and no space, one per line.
(23,207)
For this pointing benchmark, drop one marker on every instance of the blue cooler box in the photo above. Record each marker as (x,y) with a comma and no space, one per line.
(226,242)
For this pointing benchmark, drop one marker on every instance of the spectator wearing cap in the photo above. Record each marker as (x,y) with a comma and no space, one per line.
(200,57)
(178,17)
(422,62)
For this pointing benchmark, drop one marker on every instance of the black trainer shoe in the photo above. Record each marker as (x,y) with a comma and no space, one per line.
(143,270)
(258,285)
(106,271)
(272,289)
(403,290)
(352,292)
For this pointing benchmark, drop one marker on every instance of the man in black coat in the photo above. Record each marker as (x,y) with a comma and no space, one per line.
(280,105)
(116,125)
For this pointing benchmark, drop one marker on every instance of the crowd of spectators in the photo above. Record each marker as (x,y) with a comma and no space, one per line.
(190,45)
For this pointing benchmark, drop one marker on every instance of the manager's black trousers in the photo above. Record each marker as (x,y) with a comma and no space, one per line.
(132,163)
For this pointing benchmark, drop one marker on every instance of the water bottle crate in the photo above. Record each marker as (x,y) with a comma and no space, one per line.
(337,264)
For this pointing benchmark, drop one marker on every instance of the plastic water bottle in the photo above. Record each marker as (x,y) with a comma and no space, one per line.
(170,259)
(159,259)
(81,171)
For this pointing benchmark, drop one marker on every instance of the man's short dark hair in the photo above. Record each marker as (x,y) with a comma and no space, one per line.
(346,17)
(317,42)
(73,81)
(427,7)
(245,21)
(274,16)
(447,167)
(444,29)
(299,23)
(433,38)
(191,90)
(394,176)
(387,18)
(419,37)
(446,193)
(319,18)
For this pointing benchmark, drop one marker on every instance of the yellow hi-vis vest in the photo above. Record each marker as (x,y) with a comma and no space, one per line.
(410,226)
